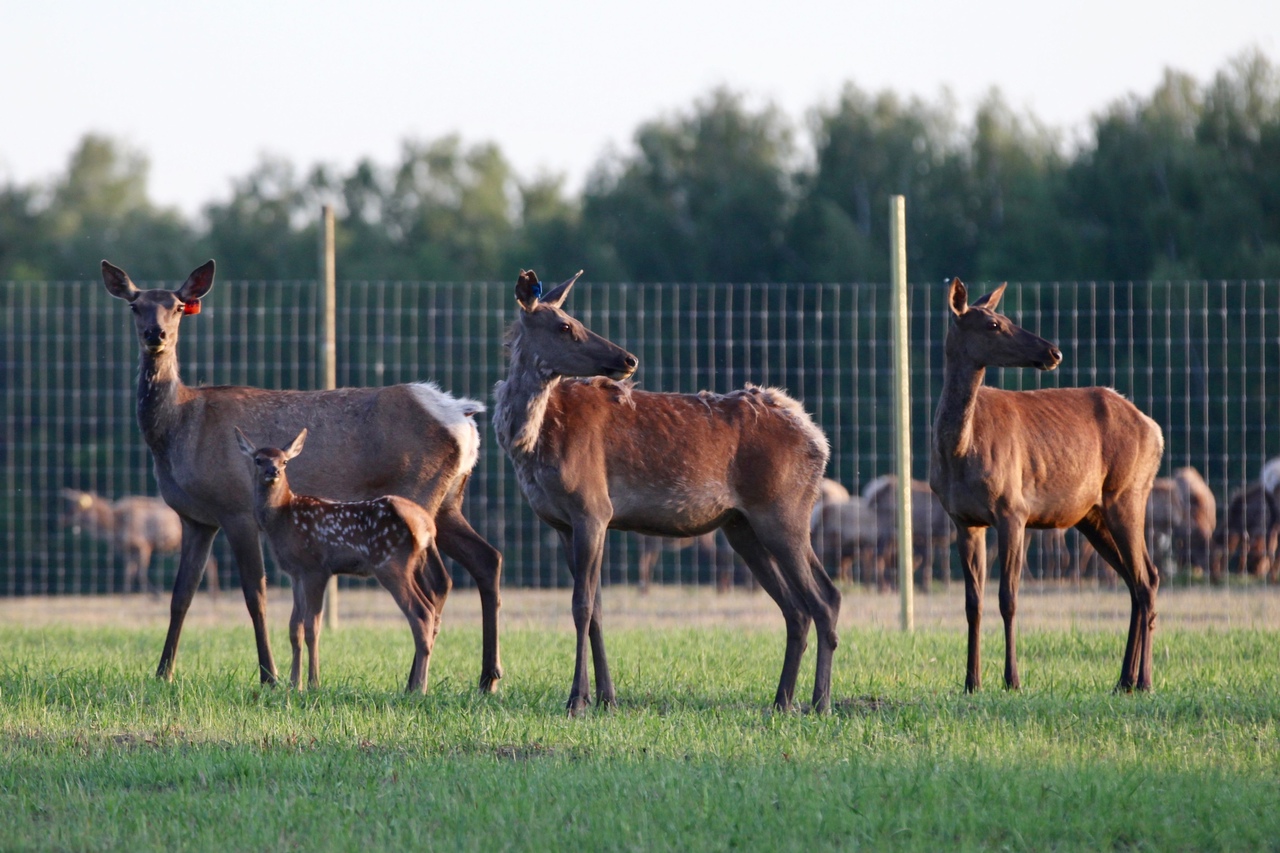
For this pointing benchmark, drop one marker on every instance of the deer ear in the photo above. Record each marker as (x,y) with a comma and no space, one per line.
(118,283)
(957,297)
(294,449)
(560,292)
(246,446)
(992,299)
(528,289)
(197,285)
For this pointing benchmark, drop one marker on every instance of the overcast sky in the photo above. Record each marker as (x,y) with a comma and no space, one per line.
(206,89)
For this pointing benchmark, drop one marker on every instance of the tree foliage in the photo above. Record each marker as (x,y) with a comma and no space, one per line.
(1181,183)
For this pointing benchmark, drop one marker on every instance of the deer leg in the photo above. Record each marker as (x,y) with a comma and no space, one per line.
(1011,534)
(790,546)
(313,587)
(606,697)
(1099,535)
(197,539)
(648,558)
(405,587)
(483,562)
(584,547)
(971,542)
(211,577)
(247,548)
(744,540)
(1124,519)
(296,618)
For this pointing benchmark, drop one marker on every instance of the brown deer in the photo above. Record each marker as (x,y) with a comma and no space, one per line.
(1248,540)
(709,550)
(412,440)
(1082,457)
(136,527)
(1201,517)
(388,538)
(596,454)
(931,530)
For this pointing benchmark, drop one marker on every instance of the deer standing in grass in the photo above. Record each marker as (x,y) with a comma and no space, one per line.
(412,440)
(595,454)
(136,527)
(388,538)
(1053,458)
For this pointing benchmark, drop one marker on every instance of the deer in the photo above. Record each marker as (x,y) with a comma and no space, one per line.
(844,532)
(593,453)
(1201,517)
(388,538)
(413,440)
(1248,540)
(136,527)
(708,549)
(931,530)
(1050,458)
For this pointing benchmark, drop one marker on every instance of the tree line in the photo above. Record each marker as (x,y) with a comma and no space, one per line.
(1182,183)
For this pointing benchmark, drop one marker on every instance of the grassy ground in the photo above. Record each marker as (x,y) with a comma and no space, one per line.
(95,754)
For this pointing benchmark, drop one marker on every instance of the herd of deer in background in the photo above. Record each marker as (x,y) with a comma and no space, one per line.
(738,475)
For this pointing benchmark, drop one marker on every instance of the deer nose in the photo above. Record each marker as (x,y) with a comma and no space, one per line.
(154,335)
(631,362)
(1056,355)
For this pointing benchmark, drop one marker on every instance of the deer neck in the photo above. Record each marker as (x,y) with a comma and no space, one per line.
(953,421)
(269,501)
(160,393)
(522,401)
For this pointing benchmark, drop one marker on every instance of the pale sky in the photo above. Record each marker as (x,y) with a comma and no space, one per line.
(206,89)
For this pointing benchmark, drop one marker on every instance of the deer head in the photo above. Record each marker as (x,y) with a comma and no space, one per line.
(270,463)
(983,338)
(157,313)
(560,344)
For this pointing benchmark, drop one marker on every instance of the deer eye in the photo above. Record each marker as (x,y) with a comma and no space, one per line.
(565,329)
(133,308)
(994,325)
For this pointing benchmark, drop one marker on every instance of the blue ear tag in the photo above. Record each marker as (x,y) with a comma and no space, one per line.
(537,290)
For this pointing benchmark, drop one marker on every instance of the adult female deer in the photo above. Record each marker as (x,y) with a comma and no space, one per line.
(314,539)
(411,440)
(1082,457)
(593,455)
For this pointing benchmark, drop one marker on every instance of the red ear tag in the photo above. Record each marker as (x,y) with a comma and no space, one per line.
(191,307)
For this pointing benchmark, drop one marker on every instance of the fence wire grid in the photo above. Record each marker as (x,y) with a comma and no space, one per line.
(1202,358)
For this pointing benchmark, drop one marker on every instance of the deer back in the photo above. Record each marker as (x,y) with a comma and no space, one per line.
(673,464)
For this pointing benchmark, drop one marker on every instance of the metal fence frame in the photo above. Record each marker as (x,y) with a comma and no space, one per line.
(1200,357)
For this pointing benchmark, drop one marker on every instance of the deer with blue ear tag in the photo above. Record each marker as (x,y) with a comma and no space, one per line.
(592,453)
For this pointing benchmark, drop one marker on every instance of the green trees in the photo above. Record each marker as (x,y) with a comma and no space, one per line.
(1181,183)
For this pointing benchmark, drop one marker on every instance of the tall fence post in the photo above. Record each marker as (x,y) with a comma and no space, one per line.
(329,355)
(902,402)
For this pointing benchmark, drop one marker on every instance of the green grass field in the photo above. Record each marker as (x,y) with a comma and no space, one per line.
(96,754)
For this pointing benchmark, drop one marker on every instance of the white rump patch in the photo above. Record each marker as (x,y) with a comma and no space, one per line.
(457,414)
(1271,476)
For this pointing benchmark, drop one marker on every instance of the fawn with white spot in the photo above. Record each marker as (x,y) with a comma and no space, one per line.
(313,539)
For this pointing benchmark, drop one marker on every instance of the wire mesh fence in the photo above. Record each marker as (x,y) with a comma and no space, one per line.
(1202,358)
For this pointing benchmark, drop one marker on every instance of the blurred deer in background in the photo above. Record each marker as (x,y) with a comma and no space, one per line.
(931,531)
(596,454)
(413,440)
(1061,457)
(135,527)
(388,538)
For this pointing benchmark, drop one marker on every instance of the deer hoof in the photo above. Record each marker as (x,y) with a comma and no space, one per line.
(489,681)
(577,706)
